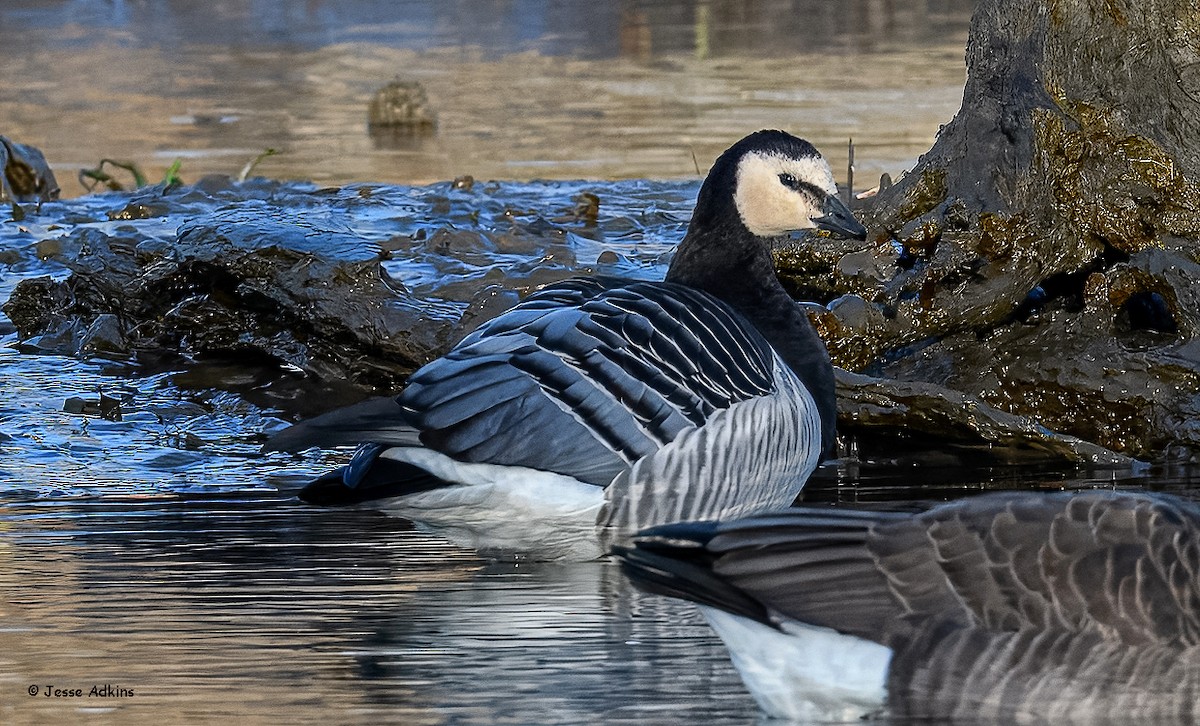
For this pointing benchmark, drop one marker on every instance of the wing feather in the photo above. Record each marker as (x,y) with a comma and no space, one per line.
(1099,561)
(624,367)
(582,378)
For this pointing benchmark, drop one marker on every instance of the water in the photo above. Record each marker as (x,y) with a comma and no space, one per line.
(164,557)
(256,608)
(567,89)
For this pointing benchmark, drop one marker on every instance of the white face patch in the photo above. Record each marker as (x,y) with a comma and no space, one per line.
(766,206)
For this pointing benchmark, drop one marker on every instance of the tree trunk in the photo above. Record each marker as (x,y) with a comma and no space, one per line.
(1043,254)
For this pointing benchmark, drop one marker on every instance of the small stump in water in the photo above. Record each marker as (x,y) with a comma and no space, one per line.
(400,112)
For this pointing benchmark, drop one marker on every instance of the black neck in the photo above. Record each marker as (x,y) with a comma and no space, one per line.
(733,265)
(729,263)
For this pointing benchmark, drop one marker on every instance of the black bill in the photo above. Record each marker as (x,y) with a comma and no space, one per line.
(838,220)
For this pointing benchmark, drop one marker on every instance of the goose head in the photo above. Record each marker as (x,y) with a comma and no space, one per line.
(771,184)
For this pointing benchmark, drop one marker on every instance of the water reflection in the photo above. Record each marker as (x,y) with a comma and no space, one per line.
(254,607)
(522,90)
(576,28)
(264,610)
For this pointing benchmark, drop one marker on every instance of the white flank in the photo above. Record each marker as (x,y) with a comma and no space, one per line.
(808,673)
(502,508)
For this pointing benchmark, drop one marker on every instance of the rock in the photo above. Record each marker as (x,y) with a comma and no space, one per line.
(299,288)
(103,336)
(106,407)
(26,176)
(929,416)
(587,208)
(245,281)
(33,310)
(58,336)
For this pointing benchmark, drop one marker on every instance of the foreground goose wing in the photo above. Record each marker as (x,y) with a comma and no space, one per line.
(1075,606)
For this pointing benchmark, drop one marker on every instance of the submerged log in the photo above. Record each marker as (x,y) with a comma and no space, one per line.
(1042,256)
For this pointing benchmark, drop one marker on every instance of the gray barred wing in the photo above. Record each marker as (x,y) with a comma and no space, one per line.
(588,376)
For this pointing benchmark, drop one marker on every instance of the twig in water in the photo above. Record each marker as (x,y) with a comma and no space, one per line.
(249,167)
(850,173)
(98,176)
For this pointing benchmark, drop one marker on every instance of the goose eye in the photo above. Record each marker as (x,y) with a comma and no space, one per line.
(789,181)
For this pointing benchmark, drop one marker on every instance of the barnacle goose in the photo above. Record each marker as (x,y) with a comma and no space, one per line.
(1014,607)
(600,406)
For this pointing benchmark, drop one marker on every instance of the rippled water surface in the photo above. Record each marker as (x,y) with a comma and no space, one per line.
(164,560)
(253,607)
(566,89)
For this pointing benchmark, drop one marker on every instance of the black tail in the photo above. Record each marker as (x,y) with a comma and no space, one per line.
(369,477)
(378,419)
(811,564)
(672,560)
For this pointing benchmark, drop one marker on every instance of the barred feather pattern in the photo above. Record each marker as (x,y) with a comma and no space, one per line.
(1126,565)
(1072,607)
(754,455)
(1042,676)
(1077,608)
(587,377)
